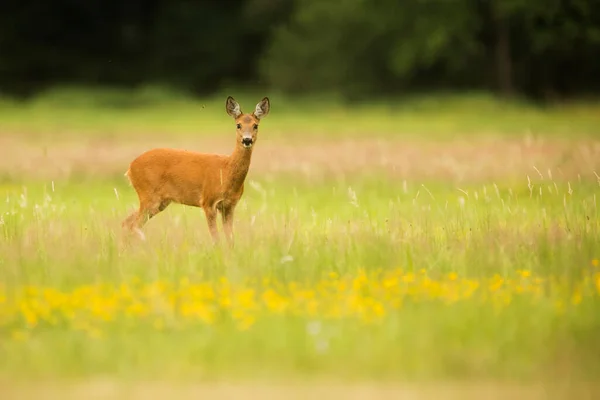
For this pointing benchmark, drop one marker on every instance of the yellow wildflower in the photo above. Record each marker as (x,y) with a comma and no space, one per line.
(30,316)
(274,301)
(524,273)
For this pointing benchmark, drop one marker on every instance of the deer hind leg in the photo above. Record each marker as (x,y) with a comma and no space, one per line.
(148,209)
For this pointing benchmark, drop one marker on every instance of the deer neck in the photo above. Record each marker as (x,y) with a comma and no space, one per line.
(239,164)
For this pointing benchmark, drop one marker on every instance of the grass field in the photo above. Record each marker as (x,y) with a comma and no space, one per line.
(451,239)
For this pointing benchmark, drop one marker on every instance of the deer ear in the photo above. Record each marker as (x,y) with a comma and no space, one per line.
(232,107)
(262,108)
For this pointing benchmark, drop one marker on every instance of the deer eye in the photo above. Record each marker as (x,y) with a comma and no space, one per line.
(255,126)
(239,126)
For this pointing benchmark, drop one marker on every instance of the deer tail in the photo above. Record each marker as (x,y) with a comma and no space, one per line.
(127,174)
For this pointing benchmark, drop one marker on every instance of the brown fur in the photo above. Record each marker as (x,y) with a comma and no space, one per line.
(210,181)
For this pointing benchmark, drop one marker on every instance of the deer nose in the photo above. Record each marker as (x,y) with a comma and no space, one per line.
(247,141)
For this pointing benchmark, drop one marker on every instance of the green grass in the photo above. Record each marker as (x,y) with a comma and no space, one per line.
(154,112)
(352,275)
(70,238)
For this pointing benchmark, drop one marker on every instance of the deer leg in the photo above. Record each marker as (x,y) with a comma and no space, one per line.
(136,220)
(130,220)
(211,220)
(227,215)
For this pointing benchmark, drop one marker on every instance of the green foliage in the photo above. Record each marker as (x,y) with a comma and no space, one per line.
(354,47)
(350,47)
(430,36)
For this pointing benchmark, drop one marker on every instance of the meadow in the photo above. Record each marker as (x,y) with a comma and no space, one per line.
(435,239)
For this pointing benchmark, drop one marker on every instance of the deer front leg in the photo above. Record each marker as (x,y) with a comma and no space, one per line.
(227,214)
(211,220)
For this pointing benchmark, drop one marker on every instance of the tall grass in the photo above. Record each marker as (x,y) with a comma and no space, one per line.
(375,279)
(350,272)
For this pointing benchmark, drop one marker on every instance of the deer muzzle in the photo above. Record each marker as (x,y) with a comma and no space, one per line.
(247,141)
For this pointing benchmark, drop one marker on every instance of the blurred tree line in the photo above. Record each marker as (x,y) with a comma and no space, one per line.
(538,48)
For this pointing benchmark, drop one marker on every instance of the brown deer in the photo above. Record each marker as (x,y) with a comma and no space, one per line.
(211,181)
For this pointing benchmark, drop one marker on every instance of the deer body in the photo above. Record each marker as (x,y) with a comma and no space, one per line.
(210,181)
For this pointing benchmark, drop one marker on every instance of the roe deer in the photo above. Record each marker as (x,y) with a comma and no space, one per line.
(210,181)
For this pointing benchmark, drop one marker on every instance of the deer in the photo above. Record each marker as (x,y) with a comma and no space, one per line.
(213,182)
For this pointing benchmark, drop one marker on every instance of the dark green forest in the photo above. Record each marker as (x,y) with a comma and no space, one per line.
(542,49)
